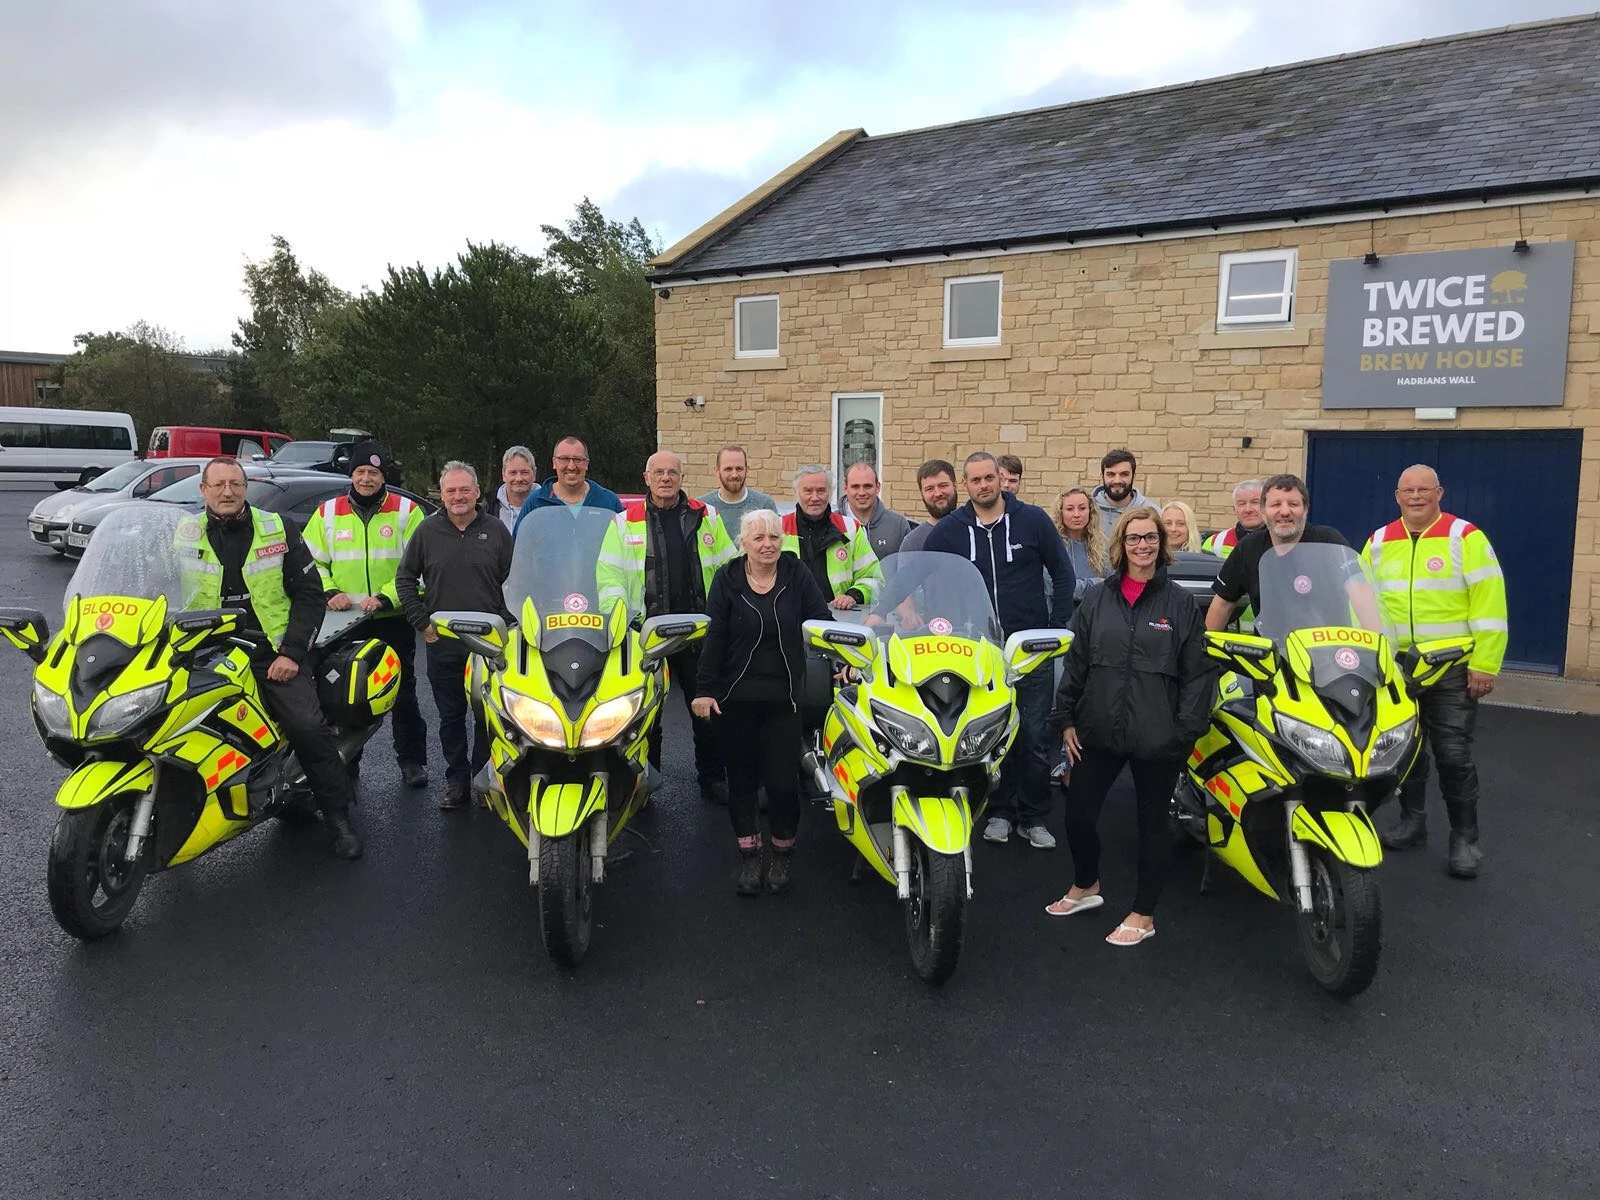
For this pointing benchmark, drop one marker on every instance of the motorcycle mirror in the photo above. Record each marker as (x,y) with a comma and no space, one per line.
(482,633)
(1029,649)
(854,646)
(27,630)
(1254,657)
(1428,662)
(663,636)
(193,626)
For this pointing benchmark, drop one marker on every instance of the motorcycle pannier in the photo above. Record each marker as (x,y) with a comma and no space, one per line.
(358,682)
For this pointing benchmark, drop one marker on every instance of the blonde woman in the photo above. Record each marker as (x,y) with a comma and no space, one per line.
(1136,693)
(1084,533)
(1182,532)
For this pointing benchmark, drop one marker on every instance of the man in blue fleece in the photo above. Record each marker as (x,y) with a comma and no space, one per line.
(1014,546)
(570,485)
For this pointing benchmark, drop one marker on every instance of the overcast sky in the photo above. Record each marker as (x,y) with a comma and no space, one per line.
(148,148)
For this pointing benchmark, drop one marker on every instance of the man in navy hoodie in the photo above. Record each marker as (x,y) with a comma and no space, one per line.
(1014,546)
(570,485)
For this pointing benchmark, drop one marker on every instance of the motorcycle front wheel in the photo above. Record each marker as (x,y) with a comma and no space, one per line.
(1342,935)
(936,913)
(566,902)
(92,887)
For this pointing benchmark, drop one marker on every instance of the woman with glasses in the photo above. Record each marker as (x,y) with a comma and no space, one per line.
(1136,693)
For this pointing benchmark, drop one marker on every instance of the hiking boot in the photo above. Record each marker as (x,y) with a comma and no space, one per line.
(749,881)
(1037,836)
(1410,833)
(414,775)
(455,797)
(346,843)
(997,830)
(778,871)
(1464,857)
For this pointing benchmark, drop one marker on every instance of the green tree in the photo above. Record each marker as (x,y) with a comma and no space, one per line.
(145,372)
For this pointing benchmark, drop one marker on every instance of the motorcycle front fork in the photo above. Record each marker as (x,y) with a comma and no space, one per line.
(1299,859)
(139,827)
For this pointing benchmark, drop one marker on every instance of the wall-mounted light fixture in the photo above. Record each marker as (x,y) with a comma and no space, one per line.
(1520,246)
(1372,258)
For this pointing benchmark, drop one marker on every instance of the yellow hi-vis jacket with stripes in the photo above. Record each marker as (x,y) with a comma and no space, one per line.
(361,557)
(1445,583)
(201,570)
(632,570)
(852,565)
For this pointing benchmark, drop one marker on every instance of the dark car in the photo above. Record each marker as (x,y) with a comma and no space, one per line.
(314,456)
(295,494)
(1195,571)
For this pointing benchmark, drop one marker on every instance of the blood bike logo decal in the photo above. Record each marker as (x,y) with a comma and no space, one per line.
(577,602)
(939,625)
(275,548)
(841,554)
(1346,658)
(375,460)
(1353,637)
(574,621)
(103,621)
(930,646)
(708,539)
(386,531)
(1436,563)
(1302,584)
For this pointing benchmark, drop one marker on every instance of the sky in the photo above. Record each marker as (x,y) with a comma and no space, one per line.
(149,149)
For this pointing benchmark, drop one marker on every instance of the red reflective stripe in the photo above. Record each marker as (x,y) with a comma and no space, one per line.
(391,503)
(634,510)
(341,506)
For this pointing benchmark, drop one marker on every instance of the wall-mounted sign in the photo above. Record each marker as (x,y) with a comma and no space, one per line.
(1460,328)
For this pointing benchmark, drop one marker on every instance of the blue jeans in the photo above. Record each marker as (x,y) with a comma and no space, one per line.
(1022,795)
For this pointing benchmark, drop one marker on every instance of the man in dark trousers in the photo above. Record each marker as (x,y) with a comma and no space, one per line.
(1015,545)
(236,556)
(458,559)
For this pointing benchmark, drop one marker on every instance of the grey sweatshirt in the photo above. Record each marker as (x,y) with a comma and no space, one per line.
(886,529)
(445,569)
(1110,513)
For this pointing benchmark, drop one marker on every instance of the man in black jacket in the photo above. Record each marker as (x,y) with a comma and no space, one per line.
(458,559)
(236,537)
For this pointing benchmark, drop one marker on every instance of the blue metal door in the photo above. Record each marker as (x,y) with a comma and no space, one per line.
(1520,488)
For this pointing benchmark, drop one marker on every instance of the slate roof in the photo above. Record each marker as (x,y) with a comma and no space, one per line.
(1469,115)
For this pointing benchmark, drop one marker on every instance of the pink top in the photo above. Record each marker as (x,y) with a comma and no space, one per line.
(1132,589)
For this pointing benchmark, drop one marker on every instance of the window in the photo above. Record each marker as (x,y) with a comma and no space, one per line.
(1256,288)
(755,327)
(972,311)
(857,434)
(159,440)
(42,391)
(22,437)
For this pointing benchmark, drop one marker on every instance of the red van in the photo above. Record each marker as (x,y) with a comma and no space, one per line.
(202,441)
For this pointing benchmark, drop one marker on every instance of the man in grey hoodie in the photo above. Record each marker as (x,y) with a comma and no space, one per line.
(517,473)
(885,528)
(1116,493)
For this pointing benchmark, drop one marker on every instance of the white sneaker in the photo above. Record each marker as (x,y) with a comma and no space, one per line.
(997,830)
(1038,837)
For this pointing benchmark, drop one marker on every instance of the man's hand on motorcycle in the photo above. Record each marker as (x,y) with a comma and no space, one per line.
(283,669)
(842,602)
(339,602)
(430,635)
(371,604)
(1069,739)
(704,706)
(1479,684)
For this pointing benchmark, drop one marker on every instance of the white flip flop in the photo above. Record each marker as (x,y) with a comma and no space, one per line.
(1081,904)
(1144,936)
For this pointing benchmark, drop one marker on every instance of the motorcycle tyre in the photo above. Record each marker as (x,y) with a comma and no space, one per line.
(936,914)
(566,899)
(1357,910)
(74,878)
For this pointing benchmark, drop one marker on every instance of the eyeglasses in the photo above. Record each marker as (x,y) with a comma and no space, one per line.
(1149,539)
(570,460)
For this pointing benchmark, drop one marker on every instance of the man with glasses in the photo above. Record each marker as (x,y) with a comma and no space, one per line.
(570,485)
(233,555)
(1438,577)
(661,553)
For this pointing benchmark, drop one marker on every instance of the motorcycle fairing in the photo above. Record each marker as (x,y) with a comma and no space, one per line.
(942,823)
(1349,836)
(102,778)
(557,809)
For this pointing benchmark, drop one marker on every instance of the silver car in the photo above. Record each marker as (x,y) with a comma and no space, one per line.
(47,523)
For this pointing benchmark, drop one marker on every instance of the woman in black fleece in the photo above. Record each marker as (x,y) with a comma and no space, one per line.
(751,667)
(1136,692)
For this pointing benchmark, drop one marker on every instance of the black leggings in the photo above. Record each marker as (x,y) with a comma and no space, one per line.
(761,744)
(1153,781)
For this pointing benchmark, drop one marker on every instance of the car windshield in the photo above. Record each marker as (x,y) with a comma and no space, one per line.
(925,592)
(259,492)
(134,552)
(556,563)
(297,452)
(116,478)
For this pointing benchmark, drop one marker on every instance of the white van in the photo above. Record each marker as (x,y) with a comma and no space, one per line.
(63,446)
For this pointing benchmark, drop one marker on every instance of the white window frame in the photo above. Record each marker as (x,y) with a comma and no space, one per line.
(777,326)
(836,457)
(999,309)
(1285,314)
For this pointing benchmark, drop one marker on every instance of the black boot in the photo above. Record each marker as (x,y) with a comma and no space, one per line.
(346,844)
(1411,831)
(778,871)
(414,775)
(749,882)
(1464,856)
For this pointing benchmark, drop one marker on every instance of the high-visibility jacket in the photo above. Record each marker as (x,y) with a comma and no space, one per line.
(1222,542)
(361,555)
(852,566)
(1445,583)
(201,570)
(633,556)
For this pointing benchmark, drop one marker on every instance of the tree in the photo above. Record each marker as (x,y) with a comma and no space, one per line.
(145,372)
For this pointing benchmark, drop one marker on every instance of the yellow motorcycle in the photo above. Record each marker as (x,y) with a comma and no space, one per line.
(910,752)
(568,697)
(1315,724)
(155,712)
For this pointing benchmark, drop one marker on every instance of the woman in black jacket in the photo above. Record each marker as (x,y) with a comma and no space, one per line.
(1136,691)
(751,668)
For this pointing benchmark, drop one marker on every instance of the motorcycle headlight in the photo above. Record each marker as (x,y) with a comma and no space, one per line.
(1391,746)
(981,737)
(51,709)
(535,718)
(1317,746)
(910,735)
(119,713)
(610,719)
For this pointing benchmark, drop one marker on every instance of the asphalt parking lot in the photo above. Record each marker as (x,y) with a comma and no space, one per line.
(274,1022)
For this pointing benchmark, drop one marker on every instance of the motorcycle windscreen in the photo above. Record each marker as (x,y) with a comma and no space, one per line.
(935,603)
(1318,586)
(569,563)
(130,579)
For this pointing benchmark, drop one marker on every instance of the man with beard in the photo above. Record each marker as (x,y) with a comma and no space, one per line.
(731,497)
(1116,493)
(936,480)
